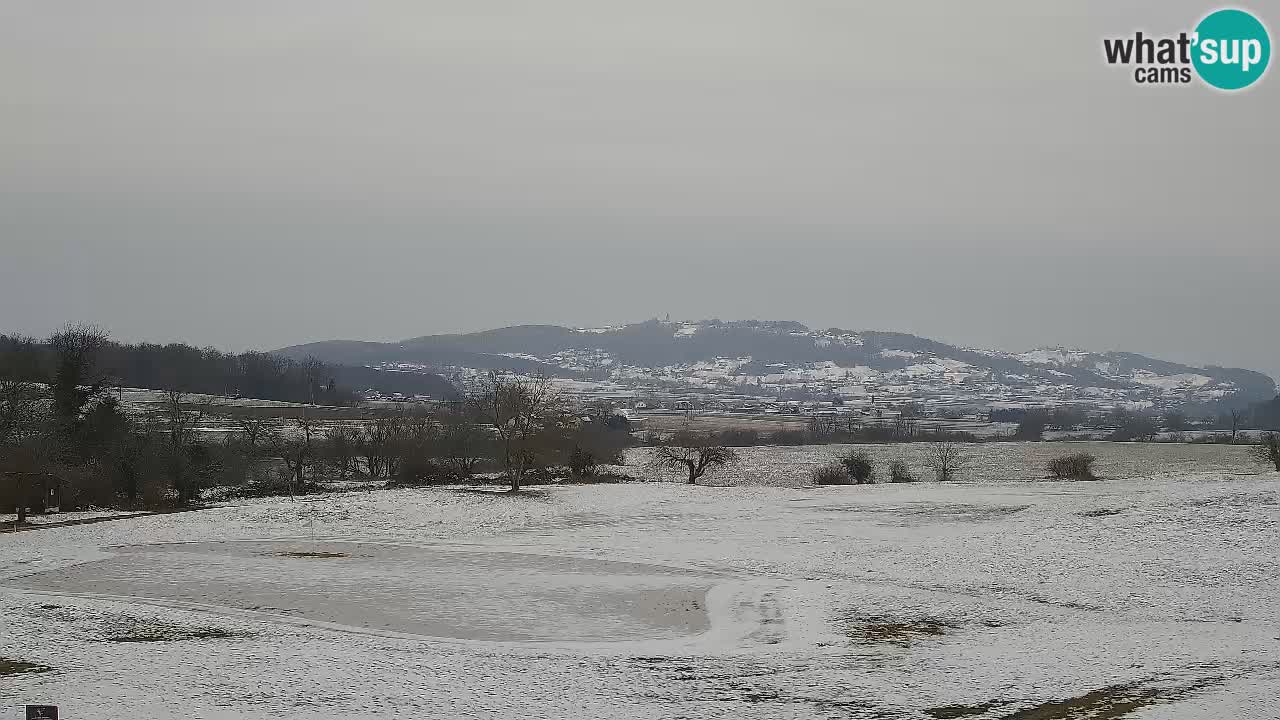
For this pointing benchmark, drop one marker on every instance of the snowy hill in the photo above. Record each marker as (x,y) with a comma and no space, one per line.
(788,359)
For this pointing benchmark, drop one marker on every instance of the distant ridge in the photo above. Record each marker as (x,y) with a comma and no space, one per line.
(730,356)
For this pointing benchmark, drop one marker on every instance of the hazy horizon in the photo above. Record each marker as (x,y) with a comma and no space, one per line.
(264,174)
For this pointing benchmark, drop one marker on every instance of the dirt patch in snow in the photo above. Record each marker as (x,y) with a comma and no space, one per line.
(305,554)
(1100,512)
(20,667)
(903,633)
(136,630)
(951,712)
(929,513)
(1106,703)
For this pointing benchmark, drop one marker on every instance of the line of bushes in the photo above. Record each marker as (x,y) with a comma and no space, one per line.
(857,467)
(947,461)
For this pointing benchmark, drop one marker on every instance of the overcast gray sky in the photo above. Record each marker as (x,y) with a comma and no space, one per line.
(257,173)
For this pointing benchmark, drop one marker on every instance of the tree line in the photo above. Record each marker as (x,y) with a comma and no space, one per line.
(518,428)
(174,366)
(66,440)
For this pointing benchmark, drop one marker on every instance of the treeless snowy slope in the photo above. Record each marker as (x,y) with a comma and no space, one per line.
(1157,596)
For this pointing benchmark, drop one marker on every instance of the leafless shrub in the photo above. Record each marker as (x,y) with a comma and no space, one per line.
(582,463)
(833,473)
(899,473)
(1268,448)
(860,467)
(1076,466)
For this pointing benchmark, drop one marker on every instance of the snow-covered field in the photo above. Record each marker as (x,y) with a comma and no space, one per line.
(986,463)
(1153,597)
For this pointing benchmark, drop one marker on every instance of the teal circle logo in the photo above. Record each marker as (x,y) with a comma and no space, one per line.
(1232,49)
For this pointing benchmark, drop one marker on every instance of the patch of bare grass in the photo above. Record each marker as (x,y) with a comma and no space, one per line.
(951,712)
(139,630)
(900,632)
(1106,703)
(311,554)
(21,667)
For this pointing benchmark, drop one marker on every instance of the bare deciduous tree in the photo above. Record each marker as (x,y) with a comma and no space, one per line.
(463,441)
(306,453)
(253,432)
(296,453)
(180,426)
(519,409)
(313,374)
(293,454)
(179,422)
(380,445)
(342,442)
(946,460)
(693,453)
(76,347)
